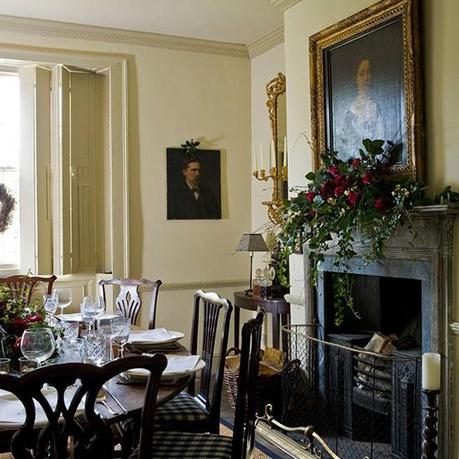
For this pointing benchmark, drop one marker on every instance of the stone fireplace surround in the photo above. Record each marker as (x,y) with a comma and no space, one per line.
(427,258)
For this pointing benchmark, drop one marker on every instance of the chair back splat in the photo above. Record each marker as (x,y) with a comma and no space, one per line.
(211,313)
(93,437)
(23,286)
(244,418)
(128,301)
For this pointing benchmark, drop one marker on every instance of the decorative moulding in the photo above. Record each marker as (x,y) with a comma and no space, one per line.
(269,41)
(208,284)
(109,35)
(295,299)
(284,5)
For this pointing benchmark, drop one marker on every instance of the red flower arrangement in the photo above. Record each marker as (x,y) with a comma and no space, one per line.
(343,199)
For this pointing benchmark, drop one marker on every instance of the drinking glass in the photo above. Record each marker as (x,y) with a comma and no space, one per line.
(63,298)
(104,325)
(38,344)
(50,306)
(91,309)
(121,327)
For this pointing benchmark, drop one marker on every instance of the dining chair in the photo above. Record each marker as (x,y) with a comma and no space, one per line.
(176,445)
(128,302)
(23,286)
(63,424)
(198,408)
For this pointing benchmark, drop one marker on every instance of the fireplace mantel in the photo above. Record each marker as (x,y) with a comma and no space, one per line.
(427,256)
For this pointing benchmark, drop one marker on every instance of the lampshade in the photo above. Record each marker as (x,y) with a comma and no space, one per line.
(252,242)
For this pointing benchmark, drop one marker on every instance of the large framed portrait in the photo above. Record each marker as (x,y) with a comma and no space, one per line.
(366,83)
(193,185)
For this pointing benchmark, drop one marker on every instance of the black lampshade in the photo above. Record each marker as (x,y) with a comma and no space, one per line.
(252,242)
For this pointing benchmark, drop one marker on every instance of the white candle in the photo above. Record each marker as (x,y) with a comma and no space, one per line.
(431,366)
(285,152)
(255,162)
(261,156)
(273,154)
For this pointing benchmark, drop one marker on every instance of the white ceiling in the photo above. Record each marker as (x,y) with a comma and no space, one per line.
(233,21)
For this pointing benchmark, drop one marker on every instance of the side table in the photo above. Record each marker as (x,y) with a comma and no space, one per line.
(278,307)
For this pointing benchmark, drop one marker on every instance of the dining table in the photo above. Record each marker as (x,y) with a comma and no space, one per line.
(122,400)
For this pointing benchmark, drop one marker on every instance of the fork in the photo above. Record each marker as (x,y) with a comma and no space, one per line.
(101,397)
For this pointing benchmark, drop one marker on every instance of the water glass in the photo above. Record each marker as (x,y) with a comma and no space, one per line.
(94,348)
(38,344)
(26,365)
(72,350)
(63,298)
(121,327)
(50,306)
(4,366)
(90,309)
(104,326)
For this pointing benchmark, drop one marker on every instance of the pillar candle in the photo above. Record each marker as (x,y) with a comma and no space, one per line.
(431,370)
(285,152)
(273,154)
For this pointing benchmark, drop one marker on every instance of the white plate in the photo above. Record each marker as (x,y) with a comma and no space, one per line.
(12,413)
(155,336)
(76,317)
(142,373)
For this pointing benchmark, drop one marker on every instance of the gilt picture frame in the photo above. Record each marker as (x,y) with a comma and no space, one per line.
(366,83)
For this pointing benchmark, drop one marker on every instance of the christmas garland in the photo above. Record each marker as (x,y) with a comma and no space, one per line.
(7,205)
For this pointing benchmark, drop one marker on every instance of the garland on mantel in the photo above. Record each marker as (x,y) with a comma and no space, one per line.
(7,205)
(349,201)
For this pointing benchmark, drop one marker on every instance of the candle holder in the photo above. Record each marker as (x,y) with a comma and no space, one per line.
(430,432)
(279,176)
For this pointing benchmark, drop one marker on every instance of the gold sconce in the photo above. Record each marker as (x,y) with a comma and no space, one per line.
(276,167)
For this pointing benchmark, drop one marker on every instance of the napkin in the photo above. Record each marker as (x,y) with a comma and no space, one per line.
(157,335)
(12,413)
(177,364)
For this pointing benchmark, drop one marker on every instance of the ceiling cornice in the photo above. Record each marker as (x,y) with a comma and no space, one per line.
(284,5)
(263,44)
(109,35)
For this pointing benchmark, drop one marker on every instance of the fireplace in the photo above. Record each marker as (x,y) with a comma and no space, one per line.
(413,281)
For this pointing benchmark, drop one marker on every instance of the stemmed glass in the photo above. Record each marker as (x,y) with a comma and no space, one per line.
(38,344)
(63,298)
(121,327)
(50,306)
(91,309)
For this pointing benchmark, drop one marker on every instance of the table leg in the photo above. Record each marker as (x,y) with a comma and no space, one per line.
(236,327)
(276,330)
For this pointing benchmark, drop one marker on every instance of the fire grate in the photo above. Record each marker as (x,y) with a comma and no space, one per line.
(363,404)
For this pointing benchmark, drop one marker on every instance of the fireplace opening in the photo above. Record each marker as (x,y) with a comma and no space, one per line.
(387,305)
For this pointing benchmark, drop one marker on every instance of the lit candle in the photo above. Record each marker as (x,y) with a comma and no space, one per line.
(273,154)
(285,152)
(431,365)
(261,156)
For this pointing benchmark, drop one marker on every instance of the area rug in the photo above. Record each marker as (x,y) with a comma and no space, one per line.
(260,451)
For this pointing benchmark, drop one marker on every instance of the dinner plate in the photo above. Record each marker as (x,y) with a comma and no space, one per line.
(168,375)
(154,336)
(12,413)
(76,317)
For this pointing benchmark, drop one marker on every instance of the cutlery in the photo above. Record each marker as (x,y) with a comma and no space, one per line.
(101,397)
(115,399)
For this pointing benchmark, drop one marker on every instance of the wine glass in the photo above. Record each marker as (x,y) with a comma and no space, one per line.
(90,309)
(104,325)
(63,298)
(50,306)
(121,327)
(38,344)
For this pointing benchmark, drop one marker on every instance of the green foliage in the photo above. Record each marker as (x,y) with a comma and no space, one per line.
(347,202)
(190,147)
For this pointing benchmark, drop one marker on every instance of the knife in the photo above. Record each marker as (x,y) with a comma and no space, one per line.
(115,399)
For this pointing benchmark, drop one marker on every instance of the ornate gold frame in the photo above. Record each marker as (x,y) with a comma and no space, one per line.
(350,27)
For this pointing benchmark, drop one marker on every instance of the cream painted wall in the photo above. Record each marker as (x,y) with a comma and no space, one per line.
(441,100)
(175,95)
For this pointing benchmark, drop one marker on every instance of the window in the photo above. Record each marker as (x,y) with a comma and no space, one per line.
(9,165)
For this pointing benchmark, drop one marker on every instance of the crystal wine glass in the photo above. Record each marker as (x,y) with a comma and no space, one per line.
(38,344)
(50,306)
(91,309)
(63,298)
(121,327)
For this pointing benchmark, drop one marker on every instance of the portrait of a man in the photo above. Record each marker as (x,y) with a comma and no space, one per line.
(193,185)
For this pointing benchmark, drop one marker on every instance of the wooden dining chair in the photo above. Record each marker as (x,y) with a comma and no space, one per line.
(198,408)
(128,302)
(23,286)
(89,434)
(175,445)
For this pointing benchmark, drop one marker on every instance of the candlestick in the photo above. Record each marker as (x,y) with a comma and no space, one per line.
(431,371)
(430,432)
(273,154)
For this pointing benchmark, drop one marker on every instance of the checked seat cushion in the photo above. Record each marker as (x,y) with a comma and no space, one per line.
(182,408)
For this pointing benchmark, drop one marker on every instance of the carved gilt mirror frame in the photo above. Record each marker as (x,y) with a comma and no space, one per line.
(275,90)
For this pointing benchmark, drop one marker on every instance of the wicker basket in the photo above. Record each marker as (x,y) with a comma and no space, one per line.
(268,382)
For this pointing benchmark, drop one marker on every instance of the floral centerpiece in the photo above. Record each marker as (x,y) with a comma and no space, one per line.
(16,315)
(348,201)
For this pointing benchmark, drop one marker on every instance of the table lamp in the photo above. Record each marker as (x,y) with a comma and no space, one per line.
(252,242)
